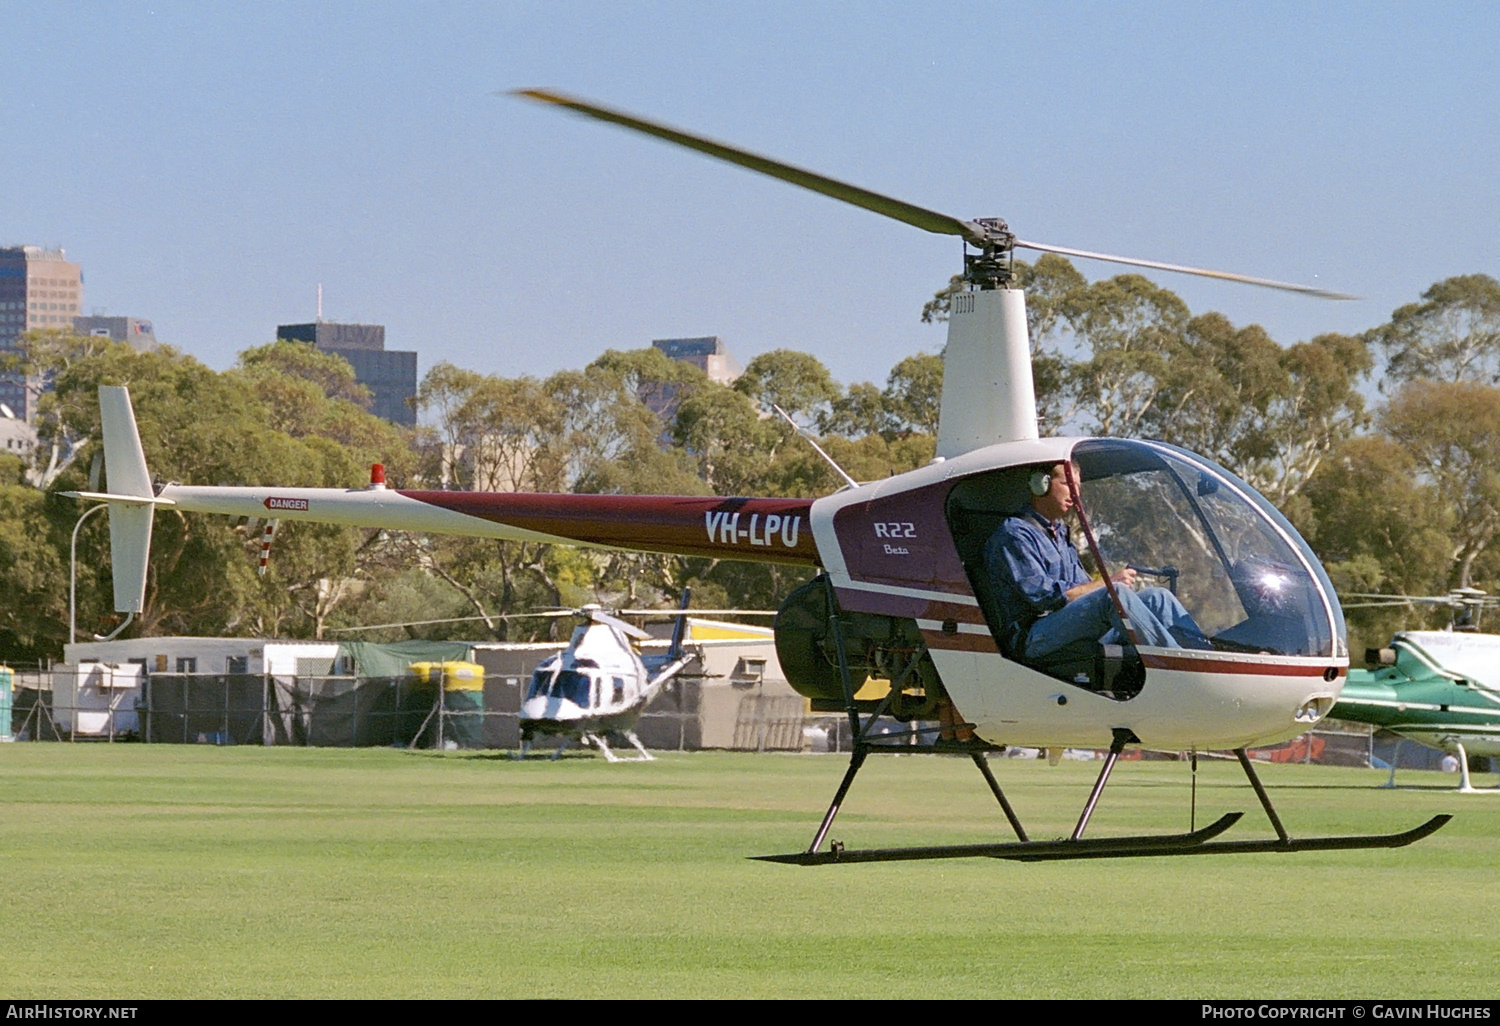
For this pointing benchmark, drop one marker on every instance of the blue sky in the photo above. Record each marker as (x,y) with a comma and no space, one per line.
(209,165)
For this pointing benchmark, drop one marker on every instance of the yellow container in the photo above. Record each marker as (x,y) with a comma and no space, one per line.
(456,675)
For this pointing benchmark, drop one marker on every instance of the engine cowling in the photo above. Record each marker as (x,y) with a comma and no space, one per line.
(875,646)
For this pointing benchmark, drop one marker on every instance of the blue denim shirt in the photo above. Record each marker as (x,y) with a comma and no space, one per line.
(1031,563)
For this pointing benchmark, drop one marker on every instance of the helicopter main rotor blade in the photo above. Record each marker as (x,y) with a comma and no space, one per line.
(1201,272)
(599,616)
(973,232)
(1432,599)
(918,217)
(671,613)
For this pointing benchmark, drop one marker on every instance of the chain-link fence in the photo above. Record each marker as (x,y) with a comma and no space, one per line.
(256,709)
(323,711)
(1329,745)
(31,706)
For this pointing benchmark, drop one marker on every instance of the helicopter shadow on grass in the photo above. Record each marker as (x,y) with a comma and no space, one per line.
(505,755)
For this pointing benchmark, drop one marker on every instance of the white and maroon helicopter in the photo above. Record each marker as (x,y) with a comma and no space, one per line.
(901,594)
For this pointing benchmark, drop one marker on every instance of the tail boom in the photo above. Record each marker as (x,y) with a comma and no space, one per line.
(761,530)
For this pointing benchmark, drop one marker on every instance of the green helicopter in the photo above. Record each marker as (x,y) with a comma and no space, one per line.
(1441,688)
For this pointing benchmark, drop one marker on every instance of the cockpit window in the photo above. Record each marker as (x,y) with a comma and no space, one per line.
(569,684)
(540,679)
(573,686)
(1188,526)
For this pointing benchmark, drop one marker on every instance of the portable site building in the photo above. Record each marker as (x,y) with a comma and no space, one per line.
(253,690)
(97,689)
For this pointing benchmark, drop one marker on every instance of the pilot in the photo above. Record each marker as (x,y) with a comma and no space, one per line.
(1047,601)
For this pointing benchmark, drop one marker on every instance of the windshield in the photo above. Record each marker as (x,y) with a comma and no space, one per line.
(573,686)
(540,680)
(1186,525)
(568,684)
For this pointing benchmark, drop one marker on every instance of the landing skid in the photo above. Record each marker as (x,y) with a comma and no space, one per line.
(1076,847)
(521,753)
(1465,783)
(597,740)
(1100,847)
(1023,849)
(1195,843)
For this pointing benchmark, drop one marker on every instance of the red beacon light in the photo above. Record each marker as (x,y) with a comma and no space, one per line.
(377,475)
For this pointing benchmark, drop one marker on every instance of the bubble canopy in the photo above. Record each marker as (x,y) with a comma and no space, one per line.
(1188,525)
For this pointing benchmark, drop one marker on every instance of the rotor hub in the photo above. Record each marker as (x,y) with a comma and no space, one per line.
(993,266)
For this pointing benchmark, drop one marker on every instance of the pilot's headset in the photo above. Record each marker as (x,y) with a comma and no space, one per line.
(1040,482)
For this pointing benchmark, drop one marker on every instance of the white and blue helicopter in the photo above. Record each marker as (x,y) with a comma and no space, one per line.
(600,684)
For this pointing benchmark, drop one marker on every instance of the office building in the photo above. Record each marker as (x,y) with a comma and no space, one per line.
(131,330)
(389,374)
(708,353)
(39,288)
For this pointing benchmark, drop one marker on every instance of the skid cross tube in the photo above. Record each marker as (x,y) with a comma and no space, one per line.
(855,762)
(1260,792)
(1122,737)
(989,778)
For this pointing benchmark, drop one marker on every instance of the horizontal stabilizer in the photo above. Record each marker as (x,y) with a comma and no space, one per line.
(129,500)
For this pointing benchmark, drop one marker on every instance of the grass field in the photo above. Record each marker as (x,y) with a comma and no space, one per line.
(167,871)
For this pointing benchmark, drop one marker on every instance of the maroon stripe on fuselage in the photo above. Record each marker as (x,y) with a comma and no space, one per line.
(758,530)
(1190,664)
(964,642)
(860,600)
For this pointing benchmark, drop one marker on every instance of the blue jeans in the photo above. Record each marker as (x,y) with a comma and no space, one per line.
(1159,620)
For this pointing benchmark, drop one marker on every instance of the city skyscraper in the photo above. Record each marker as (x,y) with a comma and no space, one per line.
(389,374)
(707,352)
(39,288)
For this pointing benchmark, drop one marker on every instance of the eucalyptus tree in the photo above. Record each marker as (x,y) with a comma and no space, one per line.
(1452,432)
(796,382)
(1453,334)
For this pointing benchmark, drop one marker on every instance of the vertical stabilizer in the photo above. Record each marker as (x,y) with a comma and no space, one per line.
(679,629)
(127,478)
(124,461)
(988,395)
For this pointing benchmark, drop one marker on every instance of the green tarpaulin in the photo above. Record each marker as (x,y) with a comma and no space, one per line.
(376,660)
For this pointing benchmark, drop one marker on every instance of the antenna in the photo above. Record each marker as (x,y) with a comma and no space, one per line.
(809,440)
(320,302)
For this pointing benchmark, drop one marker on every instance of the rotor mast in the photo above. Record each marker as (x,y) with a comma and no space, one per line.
(988,392)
